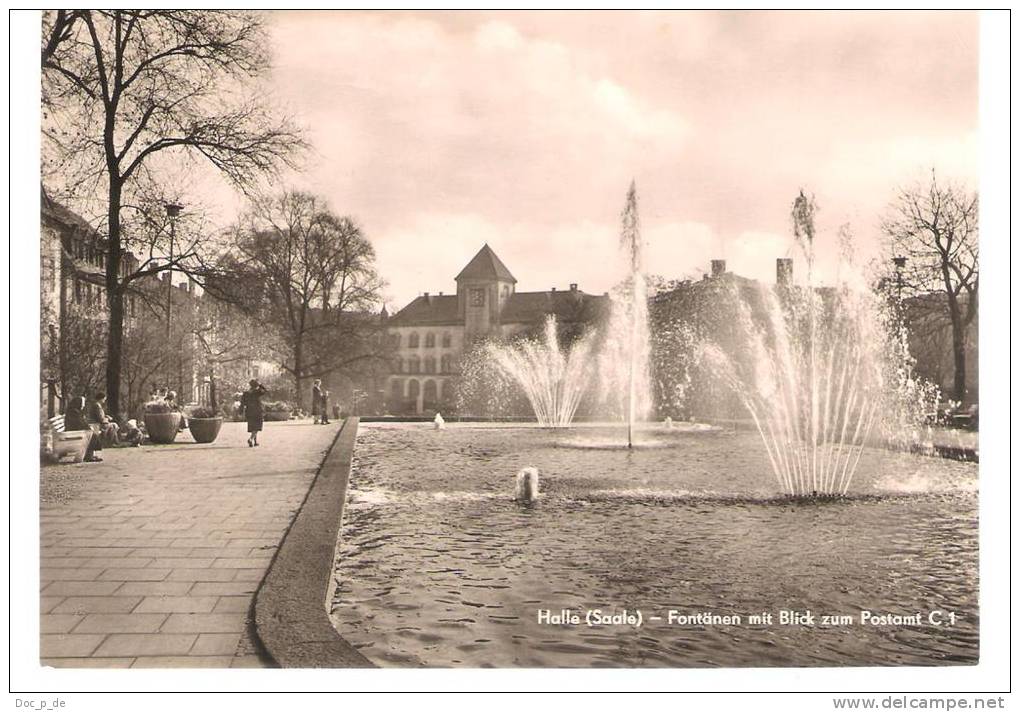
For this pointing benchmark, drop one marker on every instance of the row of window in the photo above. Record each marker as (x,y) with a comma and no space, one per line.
(426,365)
(430,340)
(92,295)
(431,392)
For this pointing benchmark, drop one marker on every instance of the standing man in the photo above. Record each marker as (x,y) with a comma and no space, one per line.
(324,406)
(317,414)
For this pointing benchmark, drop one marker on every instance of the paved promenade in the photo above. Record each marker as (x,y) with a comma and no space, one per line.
(151,558)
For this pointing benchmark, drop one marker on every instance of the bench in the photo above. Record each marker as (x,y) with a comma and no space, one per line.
(68,442)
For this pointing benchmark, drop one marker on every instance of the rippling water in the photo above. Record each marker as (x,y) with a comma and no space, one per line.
(439,567)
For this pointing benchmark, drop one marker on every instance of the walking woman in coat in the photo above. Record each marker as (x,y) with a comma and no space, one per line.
(251,405)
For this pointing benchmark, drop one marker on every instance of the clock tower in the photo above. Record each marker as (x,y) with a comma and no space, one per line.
(483,288)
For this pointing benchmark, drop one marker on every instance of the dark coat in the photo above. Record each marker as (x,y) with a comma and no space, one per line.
(316,400)
(74,416)
(251,404)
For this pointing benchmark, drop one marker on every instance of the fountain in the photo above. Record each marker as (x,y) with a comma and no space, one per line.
(623,362)
(526,486)
(813,371)
(553,379)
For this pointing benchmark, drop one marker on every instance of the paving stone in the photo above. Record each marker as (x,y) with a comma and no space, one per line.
(203,623)
(105,551)
(61,573)
(216,644)
(201,575)
(134,574)
(124,562)
(232,604)
(156,552)
(138,644)
(260,563)
(179,604)
(81,605)
(80,588)
(58,622)
(121,623)
(152,525)
(223,588)
(247,661)
(249,574)
(87,662)
(188,661)
(154,588)
(48,603)
(68,645)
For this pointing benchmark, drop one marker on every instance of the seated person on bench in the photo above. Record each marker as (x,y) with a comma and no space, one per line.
(74,419)
(107,427)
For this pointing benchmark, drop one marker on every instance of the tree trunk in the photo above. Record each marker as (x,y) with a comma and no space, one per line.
(115,303)
(298,365)
(959,359)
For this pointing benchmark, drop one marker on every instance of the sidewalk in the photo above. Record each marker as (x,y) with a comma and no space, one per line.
(151,558)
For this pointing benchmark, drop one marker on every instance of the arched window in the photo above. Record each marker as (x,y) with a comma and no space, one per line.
(412,341)
(413,365)
(430,364)
(398,364)
(430,340)
(446,341)
(446,364)
(439,391)
(397,388)
(395,340)
(412,389)
(430,394)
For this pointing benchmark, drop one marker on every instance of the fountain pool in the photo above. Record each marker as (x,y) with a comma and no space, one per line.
(438,566)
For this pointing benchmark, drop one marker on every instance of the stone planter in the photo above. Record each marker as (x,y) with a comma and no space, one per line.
(162,427)
(204,430)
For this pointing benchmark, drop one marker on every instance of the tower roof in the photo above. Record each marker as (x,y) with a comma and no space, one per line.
(486,265)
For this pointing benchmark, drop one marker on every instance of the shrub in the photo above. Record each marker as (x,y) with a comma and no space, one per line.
(204,412)
(157,406)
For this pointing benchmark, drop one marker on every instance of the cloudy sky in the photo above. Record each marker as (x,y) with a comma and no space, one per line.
(440,132)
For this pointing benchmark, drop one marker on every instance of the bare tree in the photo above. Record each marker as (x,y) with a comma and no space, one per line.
(311,275)
(135,91)
(935,227)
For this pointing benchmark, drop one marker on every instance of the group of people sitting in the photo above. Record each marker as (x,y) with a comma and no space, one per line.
(83,413)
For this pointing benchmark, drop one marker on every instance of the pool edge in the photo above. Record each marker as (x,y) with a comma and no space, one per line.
(291,618)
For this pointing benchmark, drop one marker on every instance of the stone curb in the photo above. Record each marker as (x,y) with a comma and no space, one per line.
(291,617)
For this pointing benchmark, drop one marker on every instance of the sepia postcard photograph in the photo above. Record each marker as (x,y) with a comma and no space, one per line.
(388,340)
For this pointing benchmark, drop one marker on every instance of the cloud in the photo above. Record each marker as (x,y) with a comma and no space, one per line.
(442,131)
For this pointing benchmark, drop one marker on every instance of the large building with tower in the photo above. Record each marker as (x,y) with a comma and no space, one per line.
(432,333)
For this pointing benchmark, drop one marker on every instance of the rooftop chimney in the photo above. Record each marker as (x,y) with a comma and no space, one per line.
(784,271)
(573,286)
(718,267)
(554,289)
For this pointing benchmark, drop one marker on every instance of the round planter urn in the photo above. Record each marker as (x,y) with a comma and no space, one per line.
(204,430)
(162,427)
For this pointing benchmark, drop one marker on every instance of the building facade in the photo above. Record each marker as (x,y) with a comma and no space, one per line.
(74,319)
(431,335)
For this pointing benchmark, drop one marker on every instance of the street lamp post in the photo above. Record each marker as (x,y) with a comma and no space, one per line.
(172,211)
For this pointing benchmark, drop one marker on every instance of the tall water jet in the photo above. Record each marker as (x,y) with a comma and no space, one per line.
(553,379)
(815,368)
(623,363)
